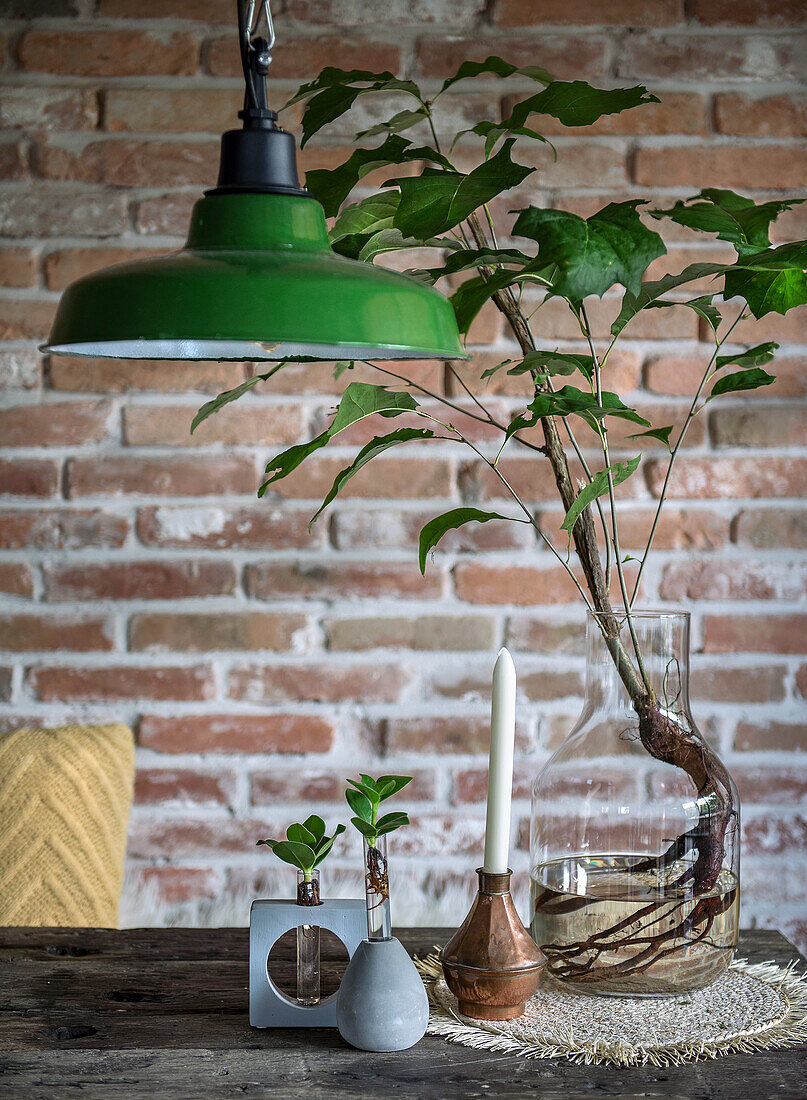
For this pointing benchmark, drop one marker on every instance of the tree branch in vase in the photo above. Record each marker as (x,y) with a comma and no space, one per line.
(576,261)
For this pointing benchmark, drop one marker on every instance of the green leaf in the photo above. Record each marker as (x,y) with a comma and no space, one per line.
(360,804)
(364,827)
(359,400)
(768,291)
(364,229)
(326,107)
(576,103)
(331,186)
(392,240)
(610,404)
(612,246)
(554,362)
(368,789)
(390,822)
(315,826)
(374,448)
(326,844)
(303,851)
(402,121)
(343,365)
(225,398)
(569,401)
(298,855)
(792,255)
(362,219)
(704,308)
(331,94)
(772,280)
(494,370)
(741,380)
(449,521)
(469,298)
(752,357)
(283,464)
(734,218)
(301,835)
(323,850)
(493,131)
(369,781)
(387,819)
(398,783)
(465,259)
(662,434)
(385,240)
(497,67)
(331,77)
(436,201)
(650,292)
(597,487)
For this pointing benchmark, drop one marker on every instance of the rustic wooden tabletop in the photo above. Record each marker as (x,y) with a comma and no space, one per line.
(163,1013)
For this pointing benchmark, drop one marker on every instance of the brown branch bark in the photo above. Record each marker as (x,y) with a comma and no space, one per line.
(584,534)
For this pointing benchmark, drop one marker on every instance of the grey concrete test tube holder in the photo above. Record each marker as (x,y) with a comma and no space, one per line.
(268,920)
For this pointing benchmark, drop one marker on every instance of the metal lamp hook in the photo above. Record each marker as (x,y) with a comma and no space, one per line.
(254,39)
(255,50)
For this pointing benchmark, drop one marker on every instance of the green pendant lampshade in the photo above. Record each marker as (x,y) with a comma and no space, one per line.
(256,280)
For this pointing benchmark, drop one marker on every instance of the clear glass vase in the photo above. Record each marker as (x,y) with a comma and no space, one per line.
(376,889)
(635,825)
(308,969)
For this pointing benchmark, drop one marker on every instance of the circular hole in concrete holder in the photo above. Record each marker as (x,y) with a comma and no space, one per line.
(281,965)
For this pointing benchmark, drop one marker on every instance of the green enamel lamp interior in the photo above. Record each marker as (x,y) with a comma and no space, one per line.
(256,280)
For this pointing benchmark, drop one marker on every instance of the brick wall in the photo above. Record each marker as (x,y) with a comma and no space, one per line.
(260,662)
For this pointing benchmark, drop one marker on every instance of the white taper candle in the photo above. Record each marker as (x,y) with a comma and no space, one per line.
(500,767)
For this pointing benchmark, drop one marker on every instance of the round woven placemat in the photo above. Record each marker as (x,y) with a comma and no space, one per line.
(750,1007)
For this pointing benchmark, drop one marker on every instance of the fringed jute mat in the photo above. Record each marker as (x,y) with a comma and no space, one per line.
(749,1008)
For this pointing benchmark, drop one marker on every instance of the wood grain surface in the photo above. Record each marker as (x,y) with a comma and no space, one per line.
(162,1013)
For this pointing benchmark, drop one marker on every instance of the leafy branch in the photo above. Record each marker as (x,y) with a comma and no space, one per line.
(573,259)
(549,255)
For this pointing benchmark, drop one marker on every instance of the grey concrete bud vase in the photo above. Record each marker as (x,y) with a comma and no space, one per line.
(382,1003)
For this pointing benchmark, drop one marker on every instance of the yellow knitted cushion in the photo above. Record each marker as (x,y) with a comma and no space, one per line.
(65,796)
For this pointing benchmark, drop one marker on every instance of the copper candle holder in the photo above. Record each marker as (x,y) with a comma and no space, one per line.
(491,963)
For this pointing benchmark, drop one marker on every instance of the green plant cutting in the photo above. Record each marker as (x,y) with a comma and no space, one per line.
(305,847)
(549,256)
(365,795)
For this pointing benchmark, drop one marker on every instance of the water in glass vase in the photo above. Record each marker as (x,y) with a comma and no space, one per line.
(609,926)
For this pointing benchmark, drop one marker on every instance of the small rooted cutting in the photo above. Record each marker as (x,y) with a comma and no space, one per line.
(305,847)
(364,797)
